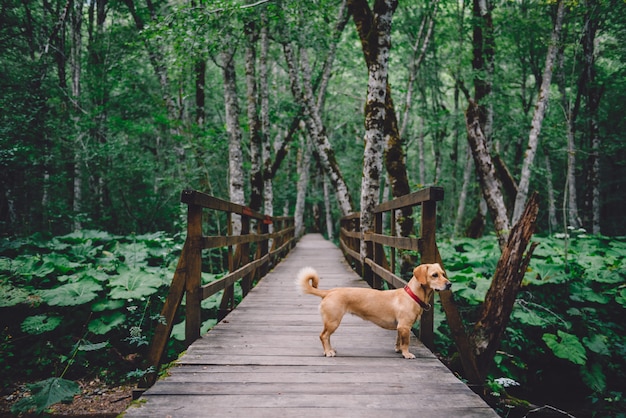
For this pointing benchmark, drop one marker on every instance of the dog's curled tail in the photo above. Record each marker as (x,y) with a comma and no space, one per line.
(308,280)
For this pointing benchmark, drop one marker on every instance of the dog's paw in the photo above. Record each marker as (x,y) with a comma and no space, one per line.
(408,355)
(397,349)
(330,353)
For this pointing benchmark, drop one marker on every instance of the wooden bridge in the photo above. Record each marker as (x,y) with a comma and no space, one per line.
(264,359)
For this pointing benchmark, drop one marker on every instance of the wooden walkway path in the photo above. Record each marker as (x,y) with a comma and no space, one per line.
(265,360)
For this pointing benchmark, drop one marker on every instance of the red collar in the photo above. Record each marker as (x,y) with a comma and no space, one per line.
(420,302)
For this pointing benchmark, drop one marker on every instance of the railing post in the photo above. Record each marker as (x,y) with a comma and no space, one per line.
(428,251)
(379,252)
(194,271)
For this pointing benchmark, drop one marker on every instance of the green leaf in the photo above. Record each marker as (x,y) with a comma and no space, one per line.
(12,295)
(598,343)
(134,284)
(582,293)
(594,377)
(38,324)
(528,317)
(71,294)
(106,323)
(566,346)
(46,393)
(107,305)
(620,298)
(178,330)
(93,347)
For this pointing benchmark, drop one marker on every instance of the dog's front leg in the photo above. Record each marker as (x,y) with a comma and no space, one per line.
(402,342)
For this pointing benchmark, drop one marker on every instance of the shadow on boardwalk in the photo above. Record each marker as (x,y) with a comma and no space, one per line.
(265,360)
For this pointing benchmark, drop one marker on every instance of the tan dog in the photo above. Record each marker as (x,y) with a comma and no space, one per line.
(389,309)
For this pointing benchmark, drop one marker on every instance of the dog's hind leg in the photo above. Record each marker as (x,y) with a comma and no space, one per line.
(329,328)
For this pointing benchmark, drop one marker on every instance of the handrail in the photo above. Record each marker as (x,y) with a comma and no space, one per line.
(374,267)
(242,265)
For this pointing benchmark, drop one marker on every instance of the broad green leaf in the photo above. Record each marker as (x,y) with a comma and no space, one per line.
(594,377)
(473,292)
(178,330)
(46,393)
(528,317)
(582,293)
(38,324)
(566,346)
(134,254)
(620,298)
(93,347)
(604,275)
(134,284)
(12,295)
(597,343)
(71,294)
(106,323)
(107,305)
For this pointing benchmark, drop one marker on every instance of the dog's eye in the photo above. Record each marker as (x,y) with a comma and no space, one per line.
(436,275)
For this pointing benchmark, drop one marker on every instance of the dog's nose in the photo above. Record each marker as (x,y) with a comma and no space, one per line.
(448,285)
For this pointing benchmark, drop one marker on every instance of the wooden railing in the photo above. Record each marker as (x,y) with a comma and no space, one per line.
(375,267)
(242,265)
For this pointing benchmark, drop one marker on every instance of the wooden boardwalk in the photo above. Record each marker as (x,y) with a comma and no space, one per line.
(265,360)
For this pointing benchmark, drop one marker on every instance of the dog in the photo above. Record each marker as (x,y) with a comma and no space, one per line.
(390,309)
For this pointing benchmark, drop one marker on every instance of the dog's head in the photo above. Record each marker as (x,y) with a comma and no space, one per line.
(433,276)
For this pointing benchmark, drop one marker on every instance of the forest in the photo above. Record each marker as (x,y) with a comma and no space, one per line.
(316,109)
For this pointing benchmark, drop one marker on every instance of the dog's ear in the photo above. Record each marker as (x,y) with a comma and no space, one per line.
(420,273)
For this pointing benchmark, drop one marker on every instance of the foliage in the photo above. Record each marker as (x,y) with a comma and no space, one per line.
(85,304)
(46,393)
(566,325)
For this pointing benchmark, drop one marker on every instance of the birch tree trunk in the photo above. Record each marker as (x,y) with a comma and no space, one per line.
(375,113)
(540,110)
(235,155)
(394,157)
(304,167)
(75,69)
(489,182)
(304,97)
(419,48)
(256,143)
(570,205)
(266,153)
(328,209)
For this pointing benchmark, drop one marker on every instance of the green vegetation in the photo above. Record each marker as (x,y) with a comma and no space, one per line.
(85,304)
(565,341)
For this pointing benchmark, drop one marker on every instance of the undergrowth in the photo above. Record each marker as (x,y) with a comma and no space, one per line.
(86,304)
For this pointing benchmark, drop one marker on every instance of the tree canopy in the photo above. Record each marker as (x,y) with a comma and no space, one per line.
(110,108)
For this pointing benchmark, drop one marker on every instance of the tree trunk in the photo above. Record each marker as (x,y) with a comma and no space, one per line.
(256,143)
(540,110)
(500,298)
(76,19)
(483,41)
(460,211)
(419,52)
(235,155)
(489,182)
(594,93)
(304,167)
(552,222)
(304,97)
(266,153)
(328,210)
(375,112)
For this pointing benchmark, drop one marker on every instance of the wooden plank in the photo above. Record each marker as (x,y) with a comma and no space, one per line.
(265,360)
(433,194)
